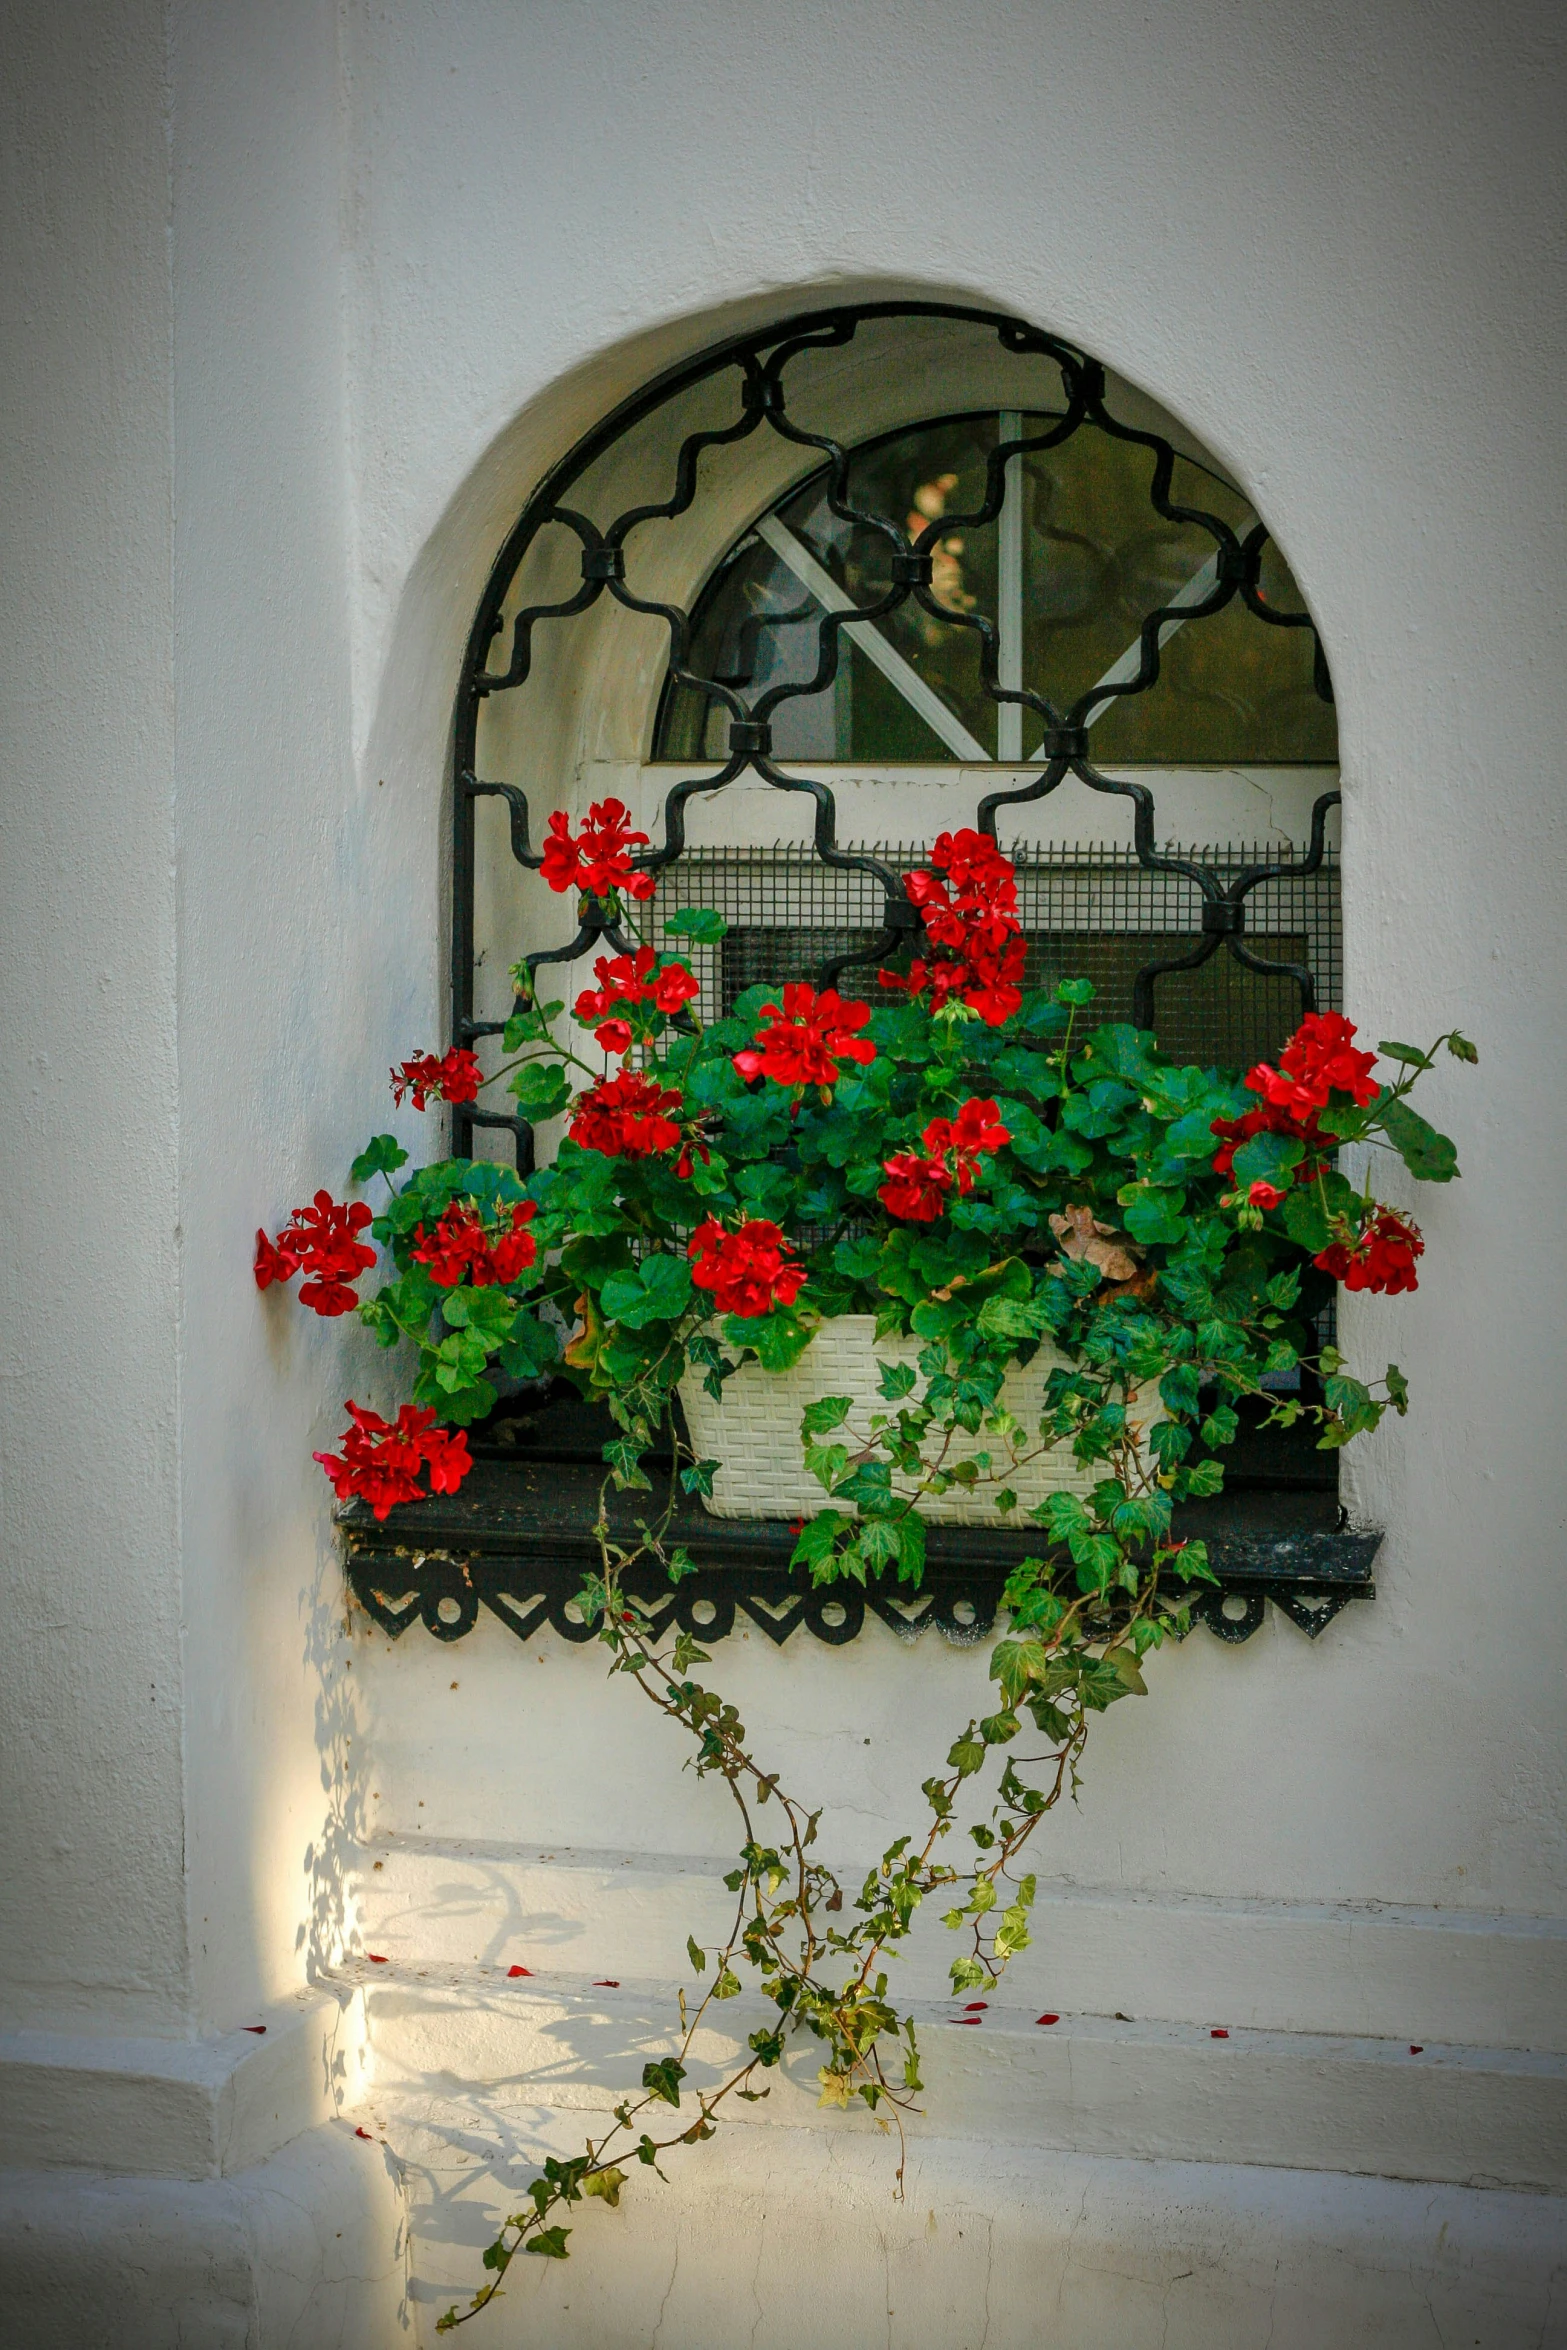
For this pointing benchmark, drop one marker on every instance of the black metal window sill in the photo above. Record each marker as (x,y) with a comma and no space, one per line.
(518,1539)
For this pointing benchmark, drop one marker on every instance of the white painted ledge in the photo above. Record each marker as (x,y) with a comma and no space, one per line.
(179,2109)
(305,2251)
(791,2239)
(1381,1973)
(455,2048)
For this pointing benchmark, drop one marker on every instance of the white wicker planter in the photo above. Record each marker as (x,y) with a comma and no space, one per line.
(755,1430)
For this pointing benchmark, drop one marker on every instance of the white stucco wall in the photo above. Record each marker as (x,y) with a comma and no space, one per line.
(1254,220)
(300,300)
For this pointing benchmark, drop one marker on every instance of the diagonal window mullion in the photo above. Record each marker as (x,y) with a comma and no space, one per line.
(906,680)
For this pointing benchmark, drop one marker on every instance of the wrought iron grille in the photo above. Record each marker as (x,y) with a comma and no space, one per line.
(1088,911)
(1218,950)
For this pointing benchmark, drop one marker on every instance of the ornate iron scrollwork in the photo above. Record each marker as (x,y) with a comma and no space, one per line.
(760,362)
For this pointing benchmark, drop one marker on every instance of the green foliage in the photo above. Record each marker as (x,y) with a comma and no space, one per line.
(1100,1228)
(383,1154)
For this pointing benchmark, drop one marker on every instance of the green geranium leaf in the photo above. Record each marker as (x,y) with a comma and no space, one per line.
(488,1313)
(383,1154)
(542,1090)
(530,1350)
(1429,1156)
(780,1338)
(698,922)
(658,1289)
(1268,1158)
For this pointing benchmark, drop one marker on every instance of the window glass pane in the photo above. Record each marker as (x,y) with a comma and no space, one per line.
(1098,558)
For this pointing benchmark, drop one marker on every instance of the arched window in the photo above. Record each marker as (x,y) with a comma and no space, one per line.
(834,587)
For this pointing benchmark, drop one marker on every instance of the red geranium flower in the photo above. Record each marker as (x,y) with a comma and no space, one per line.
(454,1077)
(971,918)
(462,1243)
(976,1128)
(917,1188)
(632,979)
(1269,1120)
(597,858)
(1382,1258)
(1265,1195)
(628,1116)
(748,1272)
(320,1240)
(1319,1060)
(614,1035)
(807,1037)
(380,1463)
(274,1261)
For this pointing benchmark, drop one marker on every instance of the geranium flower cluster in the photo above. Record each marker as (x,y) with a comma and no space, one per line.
(971,920)
(632,981)
(464,1246)
(596,858)
(1380,1257)
(747,1272)
(1320,1060)
(919,1188)
(807,1039)
(627,1116)
(381,1462)
(453,1076)
(321,1241)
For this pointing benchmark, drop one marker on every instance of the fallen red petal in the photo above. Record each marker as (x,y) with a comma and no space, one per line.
(975,2005)
(1219,2033)
(965,2019)
(253,2027)
(1047,2019)
(606,1983)
(1417,2048)
(361,2133)
(512,1972)
(375,1958)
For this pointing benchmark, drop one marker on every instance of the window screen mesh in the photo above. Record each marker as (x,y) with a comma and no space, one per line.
(1088,913)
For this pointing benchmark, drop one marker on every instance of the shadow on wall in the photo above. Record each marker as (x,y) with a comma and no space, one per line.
(333,1857)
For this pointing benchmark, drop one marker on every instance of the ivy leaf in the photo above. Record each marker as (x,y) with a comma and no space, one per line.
(699,923)
(1429,1156)
(624,1457)
(383,1154)
(607,2183)
(698,1478)
(966,1756)
(827,1412)
(826,1463)
(818,1540)
(895,1380)
(662,2079)
(698,1955)
(550,2243)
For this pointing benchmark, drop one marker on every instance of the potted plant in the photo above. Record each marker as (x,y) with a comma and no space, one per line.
(959,1251)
